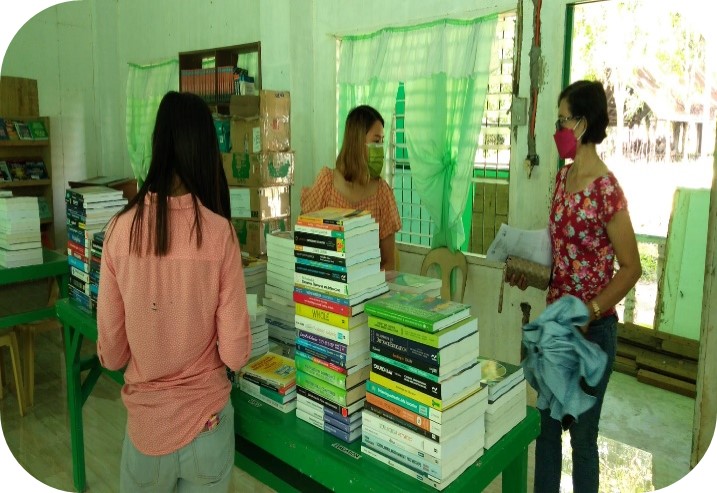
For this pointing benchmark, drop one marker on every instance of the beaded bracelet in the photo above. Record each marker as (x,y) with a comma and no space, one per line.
(596,310)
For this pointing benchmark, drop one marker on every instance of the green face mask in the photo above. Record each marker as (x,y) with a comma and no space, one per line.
(375,159)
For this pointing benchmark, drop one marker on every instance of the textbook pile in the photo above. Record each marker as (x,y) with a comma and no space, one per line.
(337,270)
(88,211)
(20,234)
(254,274)
(506,398)
(425,405)
(279,287)
(259,328)
(271,379)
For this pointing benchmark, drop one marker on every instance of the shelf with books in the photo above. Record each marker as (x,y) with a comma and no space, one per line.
(26,163)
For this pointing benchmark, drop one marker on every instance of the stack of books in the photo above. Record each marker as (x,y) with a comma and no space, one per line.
(20,236)
(98,241)
(271,378)
(89,209)
(337,270)
(412,283)
(506,398)
(425,406)
(254,275)
(258,326)
(279,287)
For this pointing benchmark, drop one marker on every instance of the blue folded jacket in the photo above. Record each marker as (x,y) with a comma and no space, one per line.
(559,360)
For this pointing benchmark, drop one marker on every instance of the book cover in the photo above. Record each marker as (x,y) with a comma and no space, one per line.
(329,317)
(5,172)
(345,411)
(17,170)
(429,313)
(37,129)
(272,368)
(499,374)
(437,340)
(23,131)
(45,209)
(10,130)
(35,169)
(342,397)
(330,376)
(412,283)
(3,131)
(336,216)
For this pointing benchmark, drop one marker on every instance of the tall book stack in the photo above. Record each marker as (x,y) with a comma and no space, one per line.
(506,398)
(337,269)
(89,209)
(98,241)
(279,287)
(425,405)
(20,234)
(271,378)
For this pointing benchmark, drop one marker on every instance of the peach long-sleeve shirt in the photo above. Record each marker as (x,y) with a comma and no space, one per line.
(174,322)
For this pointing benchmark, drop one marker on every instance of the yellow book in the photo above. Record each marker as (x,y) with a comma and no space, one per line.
(331,318)
(272,370)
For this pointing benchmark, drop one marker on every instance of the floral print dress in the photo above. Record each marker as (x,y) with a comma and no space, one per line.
(583,257)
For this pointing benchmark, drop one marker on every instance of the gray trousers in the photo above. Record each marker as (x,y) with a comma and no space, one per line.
(204,464)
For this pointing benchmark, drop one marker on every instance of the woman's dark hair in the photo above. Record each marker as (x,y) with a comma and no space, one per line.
(352,161)
(587,99)
(184,144)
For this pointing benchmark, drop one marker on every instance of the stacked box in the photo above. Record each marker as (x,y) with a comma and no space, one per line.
(260,166)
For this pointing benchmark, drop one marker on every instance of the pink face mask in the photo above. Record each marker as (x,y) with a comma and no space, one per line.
(566,143)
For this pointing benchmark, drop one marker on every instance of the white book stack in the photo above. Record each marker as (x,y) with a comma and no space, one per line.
(258,326)
(507,399)
(254,275)
(278,292)
(20,237)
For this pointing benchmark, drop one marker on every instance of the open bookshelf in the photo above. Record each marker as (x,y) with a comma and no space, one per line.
(30,183)
(210,73)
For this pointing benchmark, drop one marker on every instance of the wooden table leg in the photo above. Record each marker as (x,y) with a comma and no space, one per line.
(73,345)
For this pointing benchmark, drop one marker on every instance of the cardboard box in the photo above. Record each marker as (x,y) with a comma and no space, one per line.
(261,123)
(259,202)
(252,233)
(259,170)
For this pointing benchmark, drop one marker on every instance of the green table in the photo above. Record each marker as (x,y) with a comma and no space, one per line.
(290,455)
(53,265)
(285,452)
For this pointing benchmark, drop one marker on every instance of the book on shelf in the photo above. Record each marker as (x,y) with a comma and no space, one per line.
(5,172)
(45,209)
(341,288)
(267,392)
(3,131)
(418,310)
(499,376)
(37,129)
(331,332)
(412,283)
(332,377)
(17,170)
(360,243)
(342,397)
(329,317)
(275,370)
(92,194)
(23,131)
(10,130)
(445,390)
(345,411)
(35,169)
(284,408)
(336,217)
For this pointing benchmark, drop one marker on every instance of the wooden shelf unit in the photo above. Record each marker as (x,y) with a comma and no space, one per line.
(223,57)
(32,149)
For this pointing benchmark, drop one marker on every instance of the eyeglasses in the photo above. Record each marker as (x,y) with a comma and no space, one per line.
(560,122)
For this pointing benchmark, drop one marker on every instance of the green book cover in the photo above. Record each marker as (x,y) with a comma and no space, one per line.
(321,387)
(436,340)
(37,129)
(420,311)
(319,371)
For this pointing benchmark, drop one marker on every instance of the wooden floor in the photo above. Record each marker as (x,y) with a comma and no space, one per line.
(40,441)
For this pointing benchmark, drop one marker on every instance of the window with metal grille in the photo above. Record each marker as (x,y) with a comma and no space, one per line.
(491,163)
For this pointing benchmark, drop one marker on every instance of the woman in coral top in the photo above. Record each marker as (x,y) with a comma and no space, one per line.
(356,183)
(172,309)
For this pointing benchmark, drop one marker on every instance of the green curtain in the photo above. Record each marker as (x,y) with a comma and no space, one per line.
(146,86)
(444,66)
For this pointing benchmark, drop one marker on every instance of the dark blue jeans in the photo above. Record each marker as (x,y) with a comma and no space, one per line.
(583,432)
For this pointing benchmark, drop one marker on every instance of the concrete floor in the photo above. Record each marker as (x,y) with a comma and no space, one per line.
(645,442)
